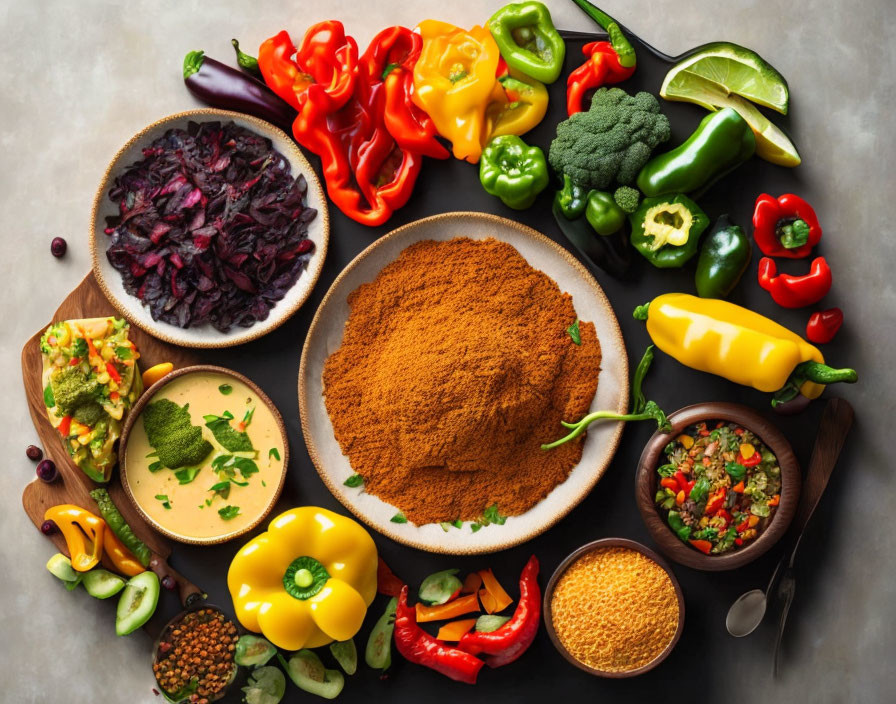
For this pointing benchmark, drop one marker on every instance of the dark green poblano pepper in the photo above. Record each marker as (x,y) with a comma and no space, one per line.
(722,141)
(724,257)
(611,254)
(666,230)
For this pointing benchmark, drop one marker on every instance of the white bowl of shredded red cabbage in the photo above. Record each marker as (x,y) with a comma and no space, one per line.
(209,229)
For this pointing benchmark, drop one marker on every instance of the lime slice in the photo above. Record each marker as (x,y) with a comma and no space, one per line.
(733,69)
(771,143)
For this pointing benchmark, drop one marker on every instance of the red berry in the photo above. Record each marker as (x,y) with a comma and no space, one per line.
(48,528)
(58,247)
(35,454)
(46,470)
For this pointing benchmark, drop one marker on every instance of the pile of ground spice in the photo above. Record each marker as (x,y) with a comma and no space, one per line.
(614,609)
(455,366)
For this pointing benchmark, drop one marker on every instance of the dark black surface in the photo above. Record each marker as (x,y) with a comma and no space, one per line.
(609,511)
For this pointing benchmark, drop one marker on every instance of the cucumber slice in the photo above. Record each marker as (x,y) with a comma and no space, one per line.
(309,674)
(266,685)
(137,603)
(253,651)
(440,587)
(61,567)
(378,653)
(490,622)
(346,655)
(101,584)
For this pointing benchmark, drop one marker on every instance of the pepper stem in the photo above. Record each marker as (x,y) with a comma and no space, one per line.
(246,62)
(193,62)
(651,412)
(815,372)
(641,312)
(618,40)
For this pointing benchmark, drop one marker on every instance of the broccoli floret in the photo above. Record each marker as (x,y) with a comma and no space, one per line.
(611,142)
(627,198)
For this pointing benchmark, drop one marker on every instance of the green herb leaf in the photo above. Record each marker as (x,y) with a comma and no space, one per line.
(152,454)
(445,526)
(574,333)
(220,461)
(187,474)
(248,417)
(79,347)
(222,489)
(491,515)
(225,434)
(354,481)
(275,453)
(225,389)
(475,527)
(155,466)
(228,513)
(399,518)
(458,523)
(123,352)
(166,502)
(246,466)
(49,400)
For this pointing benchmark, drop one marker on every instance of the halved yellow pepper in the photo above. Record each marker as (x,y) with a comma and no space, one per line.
(520,105)
(83,533)
(306,581)
(454,82)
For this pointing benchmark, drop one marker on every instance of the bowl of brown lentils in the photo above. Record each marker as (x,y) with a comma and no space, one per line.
(193,660)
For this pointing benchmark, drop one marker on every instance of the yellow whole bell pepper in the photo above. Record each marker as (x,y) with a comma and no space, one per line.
(306,581)
(733,342)
(83,533)
(454,82)
(521,105)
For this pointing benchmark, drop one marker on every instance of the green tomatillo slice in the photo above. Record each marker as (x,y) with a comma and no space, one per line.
(305,577)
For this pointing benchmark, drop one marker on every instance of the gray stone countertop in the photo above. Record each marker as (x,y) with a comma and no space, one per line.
(81,77)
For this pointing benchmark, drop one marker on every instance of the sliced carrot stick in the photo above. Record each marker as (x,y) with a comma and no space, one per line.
(456,629)
(442,612)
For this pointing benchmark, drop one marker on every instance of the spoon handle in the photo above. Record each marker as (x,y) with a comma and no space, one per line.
(836,422)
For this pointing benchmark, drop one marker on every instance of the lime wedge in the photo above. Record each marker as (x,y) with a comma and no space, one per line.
(771,143)
(733,69)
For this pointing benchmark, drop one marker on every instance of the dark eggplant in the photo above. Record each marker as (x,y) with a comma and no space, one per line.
(224,87)
(610,253)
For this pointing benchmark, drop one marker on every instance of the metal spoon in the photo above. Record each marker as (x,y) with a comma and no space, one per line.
(748,610)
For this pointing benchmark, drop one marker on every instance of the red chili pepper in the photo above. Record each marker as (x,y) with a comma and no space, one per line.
(601,67)
(715,502)
(780,225)
(386,581)
(670,483)
(683,482)
(511,640)
(417,646)
(65,425)
(113,372)
(823,325)
(796,291)
(703,546)
(388,65)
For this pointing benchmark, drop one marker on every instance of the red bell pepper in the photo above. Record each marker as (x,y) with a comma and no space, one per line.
(511,640)
(823,325)
(796,291)
(65,426)
(683,483)
(113,372)
(601,67)
(785,227)
(703,546)
(715,502)
(388,65)
(386,581)
(417,646)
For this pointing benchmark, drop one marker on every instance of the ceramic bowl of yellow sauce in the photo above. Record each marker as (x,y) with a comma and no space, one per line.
(204,455)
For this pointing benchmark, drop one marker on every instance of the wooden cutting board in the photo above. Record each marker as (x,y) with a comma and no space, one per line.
(73,486)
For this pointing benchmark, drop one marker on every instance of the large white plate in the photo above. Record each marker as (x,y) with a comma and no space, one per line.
(206,335)
(325,336)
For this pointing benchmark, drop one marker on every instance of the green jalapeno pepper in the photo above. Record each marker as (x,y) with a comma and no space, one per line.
(722,141)
(572,199)
(724,257)
(513,171)
(603,214)
(611,254)
(676,524)
(666,230)
(528,41)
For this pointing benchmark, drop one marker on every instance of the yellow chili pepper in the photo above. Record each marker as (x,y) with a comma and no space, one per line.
(120,558)
(723,338)
(521,105)
(83,533)
(454,82)
(306,581)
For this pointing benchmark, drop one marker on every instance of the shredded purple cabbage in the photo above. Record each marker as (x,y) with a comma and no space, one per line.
(212,227)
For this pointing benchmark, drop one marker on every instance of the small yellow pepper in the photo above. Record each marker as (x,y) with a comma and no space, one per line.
(454,82)
(520,105)
(306,581)
(83,533)
(118,556)
(723,338)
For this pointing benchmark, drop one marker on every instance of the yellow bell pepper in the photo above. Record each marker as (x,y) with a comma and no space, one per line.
(454,82)
(521,105)
(747,348)
(306,581)
(83,533)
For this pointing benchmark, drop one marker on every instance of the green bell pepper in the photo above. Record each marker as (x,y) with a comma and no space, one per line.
(603,214)
(572,199)
(611,254)
(666,230)
(677,525)
(724,257)
(513,171)
(722,141)
(528,41)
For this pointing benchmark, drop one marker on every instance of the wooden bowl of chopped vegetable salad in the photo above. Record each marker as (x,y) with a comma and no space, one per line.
(720,488)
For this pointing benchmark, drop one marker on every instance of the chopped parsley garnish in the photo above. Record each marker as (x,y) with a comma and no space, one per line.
(354,481)
(399,518)
(187,474)
(166,503)
(225,389)
(229,512)
(574,333)
(275,453)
